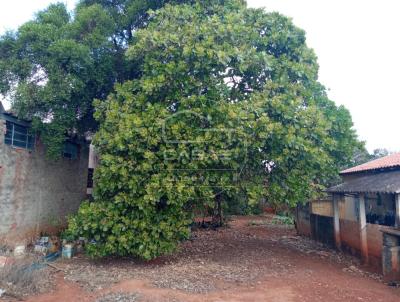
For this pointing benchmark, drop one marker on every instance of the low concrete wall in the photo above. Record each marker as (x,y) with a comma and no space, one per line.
(350,236)
(36,194)
(303,225)
(322,229)
(375,243)
(314,220)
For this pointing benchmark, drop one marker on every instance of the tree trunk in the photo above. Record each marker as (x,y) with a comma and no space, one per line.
(218,220)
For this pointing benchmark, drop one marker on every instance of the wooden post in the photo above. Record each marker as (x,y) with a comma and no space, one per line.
(363,228)
(336,223)
(397,211)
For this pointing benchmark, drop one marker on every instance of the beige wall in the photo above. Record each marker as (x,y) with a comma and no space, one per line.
(322,207)
(349,208)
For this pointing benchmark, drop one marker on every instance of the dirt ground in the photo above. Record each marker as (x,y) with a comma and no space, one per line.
(251,260)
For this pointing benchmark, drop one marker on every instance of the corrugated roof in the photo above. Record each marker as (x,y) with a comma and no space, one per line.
(386,162)
(383,182)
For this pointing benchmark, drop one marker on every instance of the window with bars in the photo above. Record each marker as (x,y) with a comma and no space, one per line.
(70,150)
(19,136)
(90,178)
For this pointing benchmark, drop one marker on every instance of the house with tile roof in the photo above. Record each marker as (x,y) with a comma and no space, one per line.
(361,215)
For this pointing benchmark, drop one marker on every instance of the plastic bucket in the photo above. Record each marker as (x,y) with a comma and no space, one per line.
(67,251)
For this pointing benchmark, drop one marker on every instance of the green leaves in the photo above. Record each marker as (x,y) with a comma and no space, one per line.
(54,66)
(227,105)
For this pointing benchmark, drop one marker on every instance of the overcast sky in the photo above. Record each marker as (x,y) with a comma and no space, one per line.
(357,43)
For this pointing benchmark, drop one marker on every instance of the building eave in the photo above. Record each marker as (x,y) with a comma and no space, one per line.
(382,182)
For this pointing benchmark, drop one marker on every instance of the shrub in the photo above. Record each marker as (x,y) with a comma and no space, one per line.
(113,229)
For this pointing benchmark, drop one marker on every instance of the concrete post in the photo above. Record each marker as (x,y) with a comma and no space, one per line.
(363,228)
(336,223)
(397,211)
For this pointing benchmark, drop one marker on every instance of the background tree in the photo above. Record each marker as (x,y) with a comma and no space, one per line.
(227,103)
(361,155)
(380,152)
(53,67)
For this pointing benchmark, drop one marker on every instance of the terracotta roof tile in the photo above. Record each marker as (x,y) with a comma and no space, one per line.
(389,161)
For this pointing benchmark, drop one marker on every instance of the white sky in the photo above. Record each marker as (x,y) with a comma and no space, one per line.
(357,43)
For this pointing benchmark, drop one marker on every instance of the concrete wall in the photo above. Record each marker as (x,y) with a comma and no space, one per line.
(36,194)
(375,243)
(303,224)
(322,229)
(319,226)
(322,207)
(314,220)
(350,236)
(348,208)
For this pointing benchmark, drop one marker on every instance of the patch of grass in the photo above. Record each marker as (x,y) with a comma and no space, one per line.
(274,220)
(258,222)
(118,296)
(282,220)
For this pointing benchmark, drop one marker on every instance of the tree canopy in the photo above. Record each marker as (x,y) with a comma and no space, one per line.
(227,102)
(53,67)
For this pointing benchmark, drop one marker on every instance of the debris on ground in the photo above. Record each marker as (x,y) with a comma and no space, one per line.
(244,261)
(46,245)
(21,278)
(224,254)
(4,260)
(355,270)
(212,260)
(395,284)
(311,247)
(19,251)
(24,269)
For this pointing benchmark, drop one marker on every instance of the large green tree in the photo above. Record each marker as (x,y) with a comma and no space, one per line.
(227,103)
